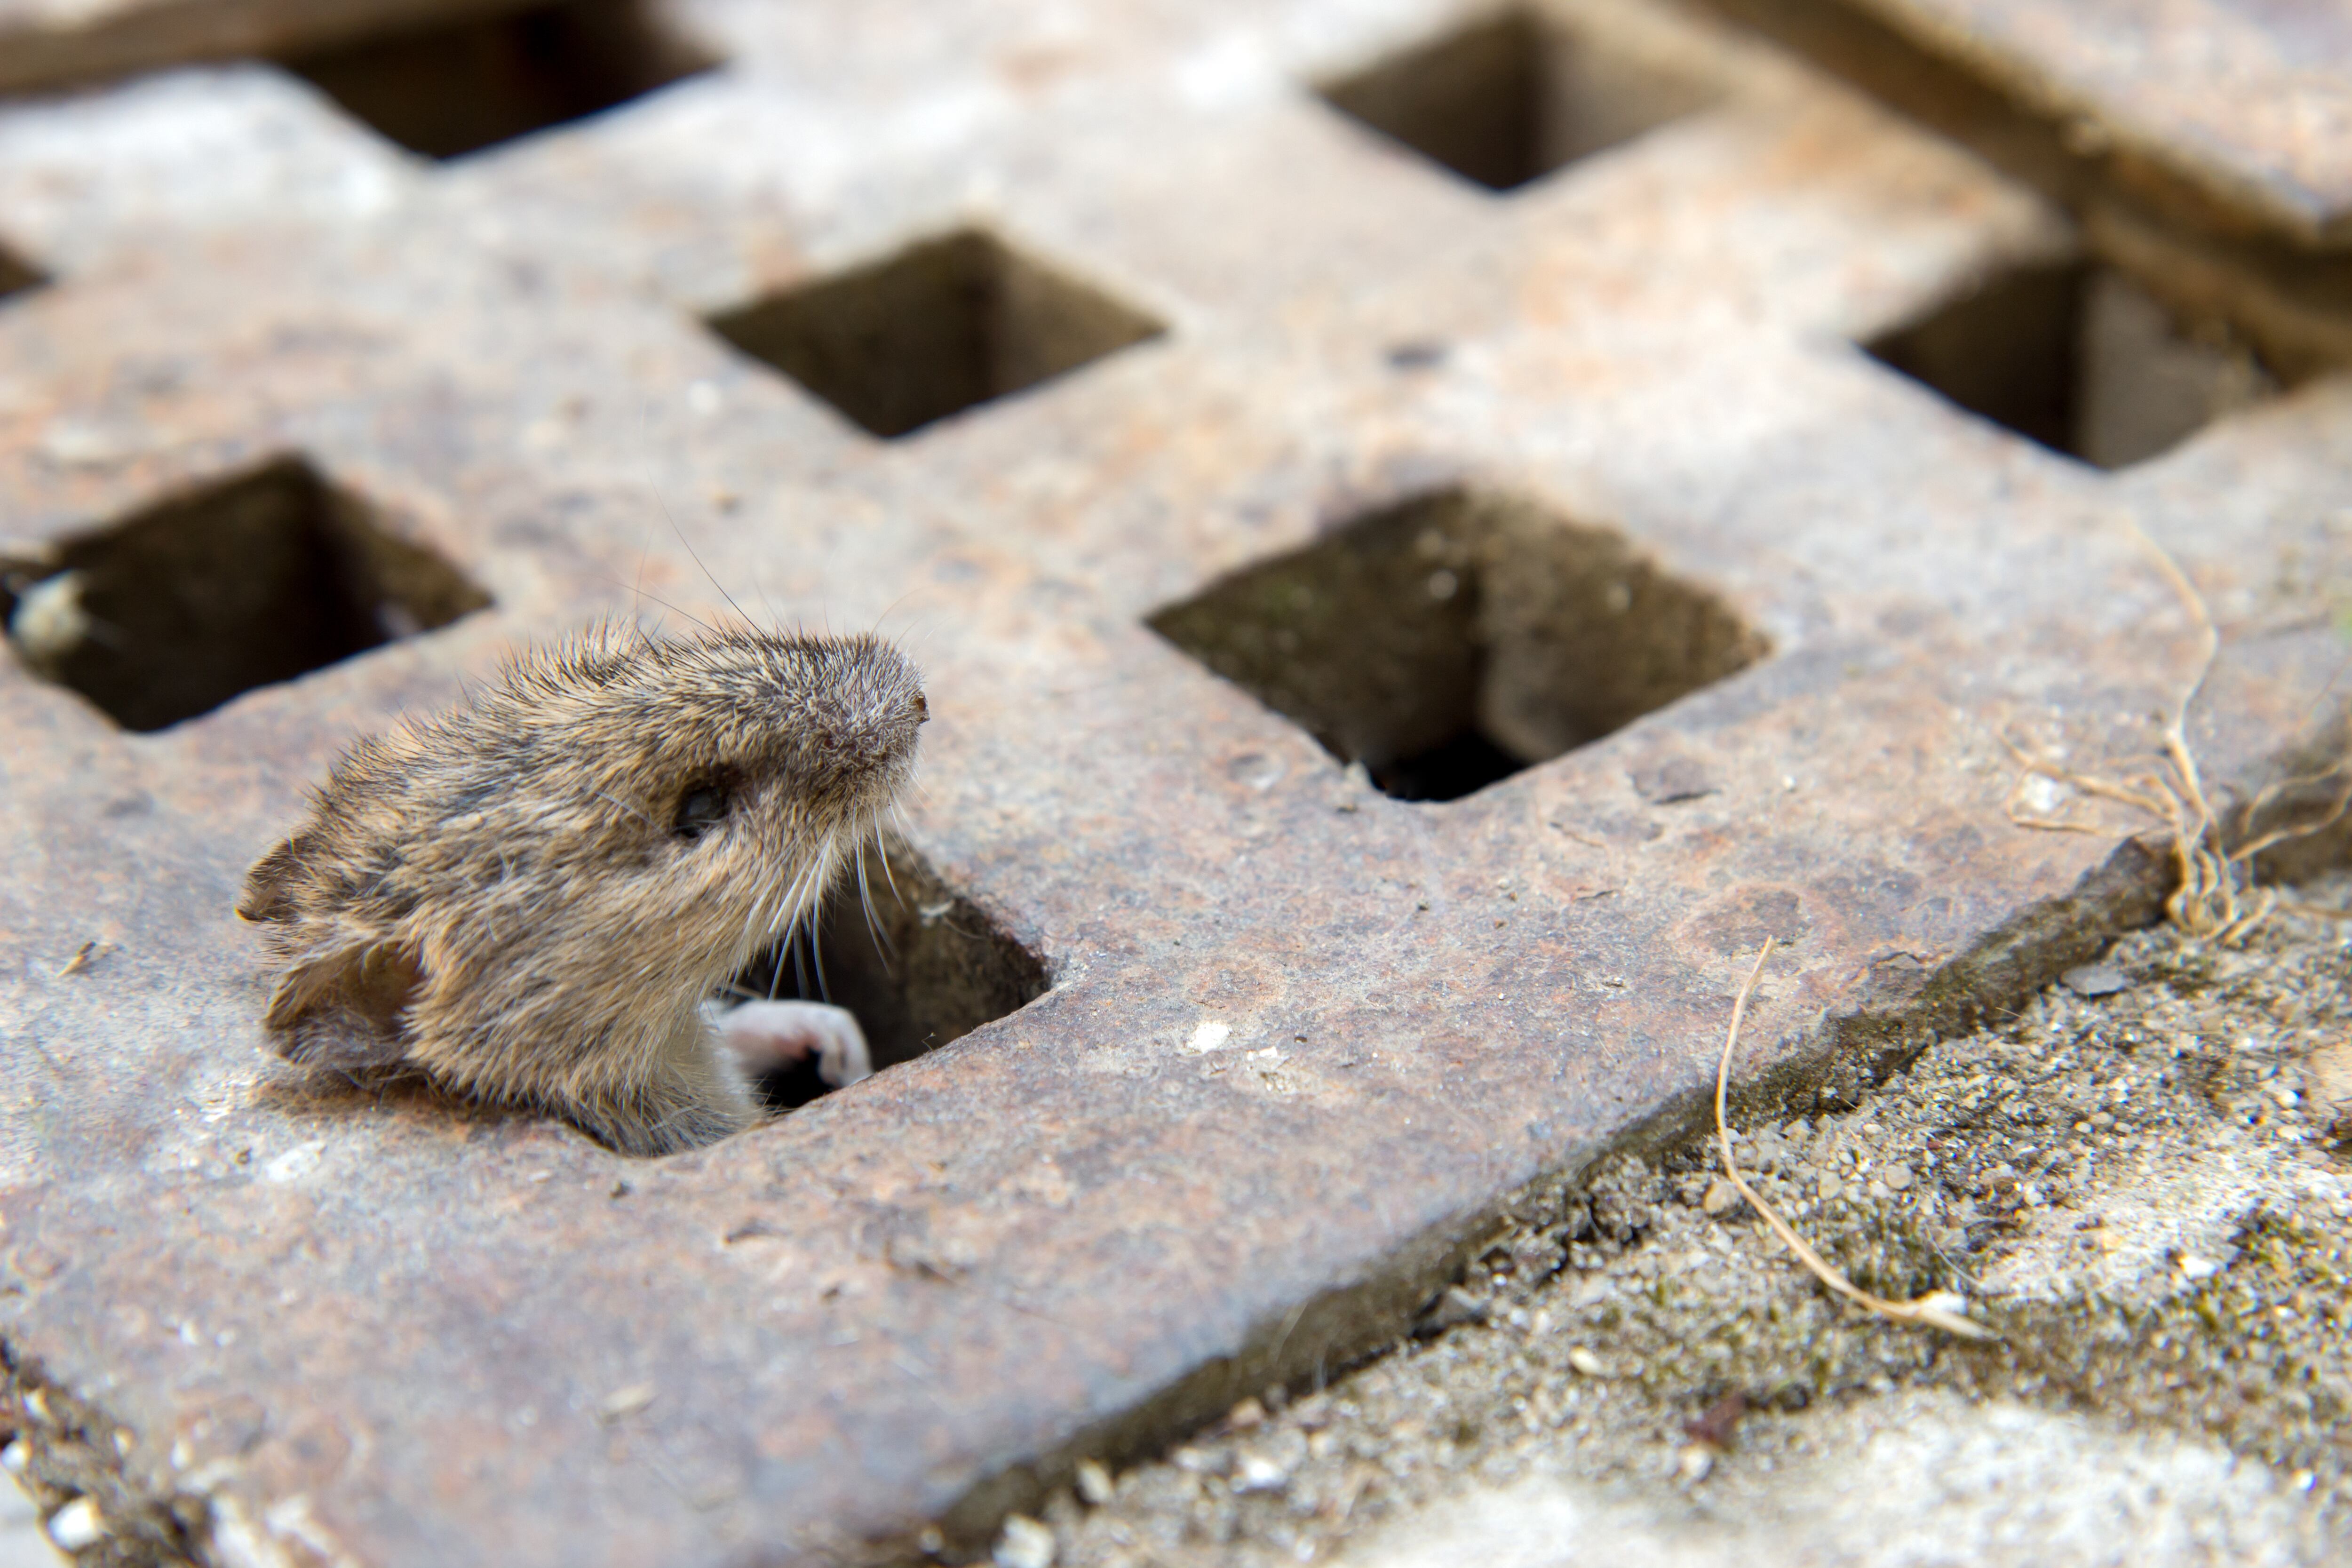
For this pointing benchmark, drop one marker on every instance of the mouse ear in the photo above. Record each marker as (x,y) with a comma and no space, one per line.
(343,1009)
(269,887)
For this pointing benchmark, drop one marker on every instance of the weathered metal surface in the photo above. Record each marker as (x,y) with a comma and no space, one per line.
(2206,144)
(2251,99)
(1301,1039)
(49,43)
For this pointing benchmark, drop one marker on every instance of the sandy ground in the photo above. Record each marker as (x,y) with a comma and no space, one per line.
(2141,1183)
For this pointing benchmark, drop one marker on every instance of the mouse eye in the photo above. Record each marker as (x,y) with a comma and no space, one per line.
(702,809)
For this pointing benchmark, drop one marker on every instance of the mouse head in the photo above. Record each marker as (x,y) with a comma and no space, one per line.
(528,896)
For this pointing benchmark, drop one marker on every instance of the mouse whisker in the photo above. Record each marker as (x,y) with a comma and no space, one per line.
(882,848)
(825,863)
(776,953)
(801,894)
(790,912)
(751,923)
(816,961)
(774,907)
(866,903)
(659,499)
(775,620)
(645,592)
(800,961)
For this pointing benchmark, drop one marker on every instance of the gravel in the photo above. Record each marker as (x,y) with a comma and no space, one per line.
(2140,1182)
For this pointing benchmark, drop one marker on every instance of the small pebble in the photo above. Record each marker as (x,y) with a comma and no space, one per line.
(2096,980)
(1246,1414)
(1257,1473)
(1721,1197)
(1456,1306)
(1585,1362)
(1896,1177)
(1094,1482)
(77,1525)
(1832,1188)
(1025,1543)
(2194,1268)
(623,1403)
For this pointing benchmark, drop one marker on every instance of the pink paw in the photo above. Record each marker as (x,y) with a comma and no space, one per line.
(765,1036)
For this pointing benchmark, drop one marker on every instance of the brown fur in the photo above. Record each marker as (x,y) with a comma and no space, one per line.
(505,895)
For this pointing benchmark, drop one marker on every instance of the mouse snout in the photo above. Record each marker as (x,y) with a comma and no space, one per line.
(850,741)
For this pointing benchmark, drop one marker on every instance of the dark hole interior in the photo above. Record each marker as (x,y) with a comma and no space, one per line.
(1453,639)
(1512,97)
(933,330)
(478,80)
(2080,359)
(17,275)
(938,969)
(175,610)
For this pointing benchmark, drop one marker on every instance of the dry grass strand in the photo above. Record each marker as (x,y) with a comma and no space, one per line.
(2214,897)
(1938,1309)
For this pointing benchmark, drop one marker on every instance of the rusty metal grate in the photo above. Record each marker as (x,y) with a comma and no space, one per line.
(943,325)
(244,582)
(466,83)
(1582,510)
(2080,359)
(1450,640)
(1511,97)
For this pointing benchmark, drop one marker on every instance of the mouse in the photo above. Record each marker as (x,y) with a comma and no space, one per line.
(534,898)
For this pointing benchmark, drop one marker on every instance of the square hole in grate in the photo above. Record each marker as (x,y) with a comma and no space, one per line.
(2079,358)
(476,81)
(930,331)
(931,968)
(1513,97)
(1451,640)
(172,611)
(16,275)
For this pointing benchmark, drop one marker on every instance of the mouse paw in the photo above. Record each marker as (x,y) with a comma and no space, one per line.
(765,1036)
